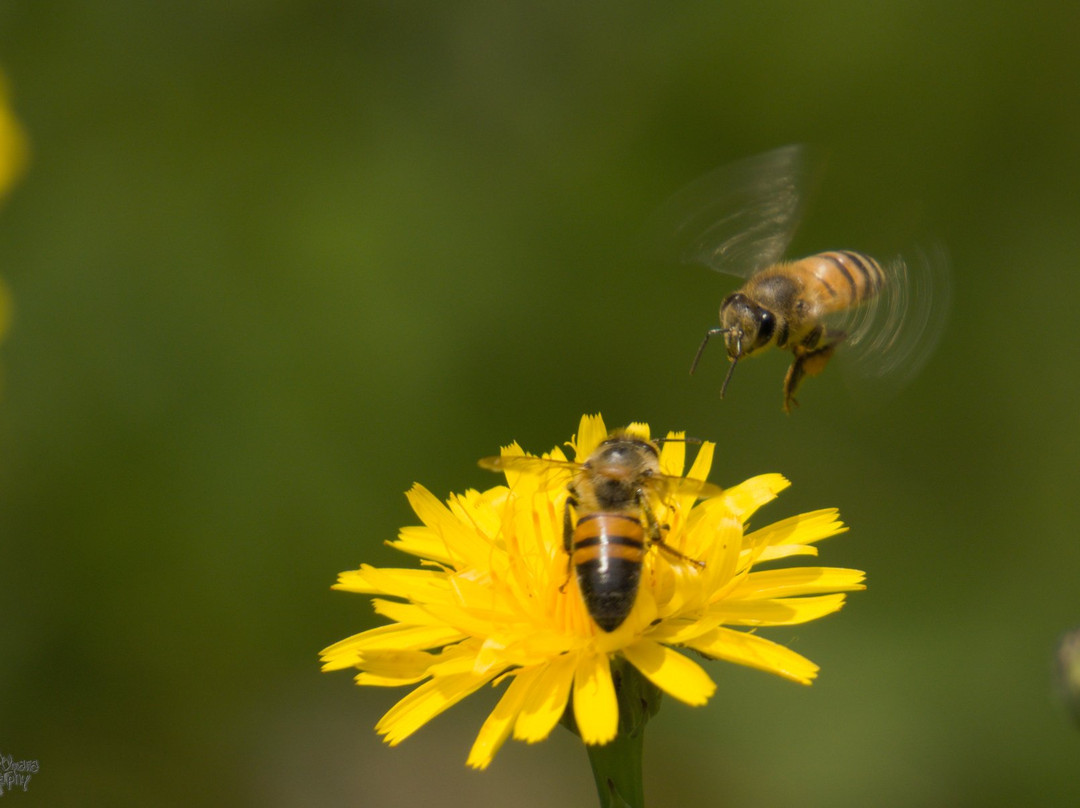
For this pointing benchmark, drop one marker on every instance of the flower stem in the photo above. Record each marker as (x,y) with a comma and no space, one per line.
(617,769)
(617,766)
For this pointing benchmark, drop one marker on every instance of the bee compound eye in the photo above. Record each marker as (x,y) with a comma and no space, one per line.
(766,326)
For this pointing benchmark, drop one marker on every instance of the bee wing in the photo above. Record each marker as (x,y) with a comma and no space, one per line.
(892,336)
(666,485)
(737,219)
(528,464)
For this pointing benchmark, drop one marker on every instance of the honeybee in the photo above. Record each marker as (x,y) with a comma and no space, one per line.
(741,218)
(609,521)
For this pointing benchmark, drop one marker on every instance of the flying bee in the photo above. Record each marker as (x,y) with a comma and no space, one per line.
(609,519)
(785,305)
(740,219)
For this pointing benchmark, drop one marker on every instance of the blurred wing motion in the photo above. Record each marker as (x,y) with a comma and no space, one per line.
(663,484)
(892,335)
(553,473)
(668,486)
(739,218)
(527,464)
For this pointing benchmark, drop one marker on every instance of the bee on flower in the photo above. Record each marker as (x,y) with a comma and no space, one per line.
(496,602)
(612,494)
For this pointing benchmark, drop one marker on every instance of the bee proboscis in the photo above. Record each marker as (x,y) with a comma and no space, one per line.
(609,519)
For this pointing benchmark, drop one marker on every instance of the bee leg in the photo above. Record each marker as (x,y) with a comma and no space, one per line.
(655,532)
(811,357)
(568,535)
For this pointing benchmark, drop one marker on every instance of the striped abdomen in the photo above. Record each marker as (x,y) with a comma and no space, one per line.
(608,549)
(839,279)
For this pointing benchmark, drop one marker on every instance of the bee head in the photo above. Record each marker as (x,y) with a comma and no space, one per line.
(624,457)
(748,327)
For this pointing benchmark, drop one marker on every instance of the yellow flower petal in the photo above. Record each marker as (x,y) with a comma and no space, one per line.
(389,638)
(683,503)
(746,497)
(745,648)
(424,703)
(596,709)
(779,551)
(546,700)
(535,649)
(672,672)
(802,529)
(405,613)
(400,665)
(779,612)
(714,537)
(449,541)
(475,508)
(702,462)
(591,432)
(798,581)
(673,454)
(424,543)
(346,653)
(374,680)
(398,668)
(400,582)
(496,728)
(417,585)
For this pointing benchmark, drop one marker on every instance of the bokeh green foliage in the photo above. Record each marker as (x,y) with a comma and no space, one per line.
(275,261)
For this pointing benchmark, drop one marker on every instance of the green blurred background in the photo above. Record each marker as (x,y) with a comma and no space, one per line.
(274,261)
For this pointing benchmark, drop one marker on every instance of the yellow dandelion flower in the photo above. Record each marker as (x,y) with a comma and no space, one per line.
(497,601)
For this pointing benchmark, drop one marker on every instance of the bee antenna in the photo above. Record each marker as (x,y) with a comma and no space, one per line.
(712,332)
(678,440)
(734,362)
